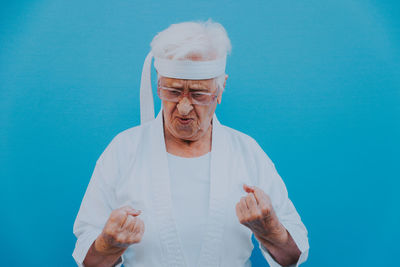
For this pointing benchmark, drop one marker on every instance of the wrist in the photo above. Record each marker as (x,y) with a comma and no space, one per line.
(103,247)
(277,235)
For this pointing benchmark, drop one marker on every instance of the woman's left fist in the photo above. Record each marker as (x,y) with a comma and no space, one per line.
(255,211)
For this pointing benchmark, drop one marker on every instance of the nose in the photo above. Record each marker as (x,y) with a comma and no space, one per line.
(184,106)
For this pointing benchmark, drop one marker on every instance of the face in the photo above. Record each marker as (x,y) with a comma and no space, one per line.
(184,120)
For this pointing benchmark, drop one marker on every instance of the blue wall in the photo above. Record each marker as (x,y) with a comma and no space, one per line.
(316,83)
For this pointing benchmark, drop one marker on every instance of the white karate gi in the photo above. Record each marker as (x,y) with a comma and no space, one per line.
(190,190)
(133,170)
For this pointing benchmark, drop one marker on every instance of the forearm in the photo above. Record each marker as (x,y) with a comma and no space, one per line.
(95,258)
(285,251)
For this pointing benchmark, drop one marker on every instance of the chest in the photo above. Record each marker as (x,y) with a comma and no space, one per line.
(168,203)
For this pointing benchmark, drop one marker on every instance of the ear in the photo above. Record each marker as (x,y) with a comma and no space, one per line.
(226,78)
(219,99)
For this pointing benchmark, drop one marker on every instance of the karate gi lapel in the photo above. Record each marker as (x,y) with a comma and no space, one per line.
(162,198)
(212,242)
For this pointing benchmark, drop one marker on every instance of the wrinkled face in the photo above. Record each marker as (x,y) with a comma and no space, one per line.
(185,120)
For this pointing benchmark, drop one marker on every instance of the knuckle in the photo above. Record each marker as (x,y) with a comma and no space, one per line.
(129,221)
(259,216)
(259,190)
(116,215)
(135,223)
(237,209)
(265,208)
(256,214)
(139,237)
(109,231)
(121,238)
(131,240)
(238,215)
(121,213)
(113,215)
(135,238)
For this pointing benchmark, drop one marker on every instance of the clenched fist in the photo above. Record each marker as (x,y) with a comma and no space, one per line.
(122,229)
(255,211)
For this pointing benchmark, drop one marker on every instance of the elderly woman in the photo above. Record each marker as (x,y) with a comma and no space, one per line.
(182,189)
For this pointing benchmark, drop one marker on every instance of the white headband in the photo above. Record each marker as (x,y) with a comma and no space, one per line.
(179,69)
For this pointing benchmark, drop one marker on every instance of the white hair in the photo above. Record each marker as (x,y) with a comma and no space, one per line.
(200,41)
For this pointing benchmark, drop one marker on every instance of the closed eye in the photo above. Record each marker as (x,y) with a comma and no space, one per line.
(171,89)
(198,94)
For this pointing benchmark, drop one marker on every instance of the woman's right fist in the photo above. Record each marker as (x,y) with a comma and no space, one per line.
(122,229)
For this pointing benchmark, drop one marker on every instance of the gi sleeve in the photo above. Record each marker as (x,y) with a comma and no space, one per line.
(96,205)
(271,183)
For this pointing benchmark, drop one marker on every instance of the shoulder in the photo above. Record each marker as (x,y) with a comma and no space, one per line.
(124,144)
(246,145)
(240,140)
(237,136)
(129,136)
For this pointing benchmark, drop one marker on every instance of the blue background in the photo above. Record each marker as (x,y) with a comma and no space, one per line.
(316,83)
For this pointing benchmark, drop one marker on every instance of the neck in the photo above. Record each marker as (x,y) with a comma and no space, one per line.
(188,148)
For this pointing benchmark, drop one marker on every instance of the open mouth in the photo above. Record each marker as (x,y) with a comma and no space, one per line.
(185,120)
